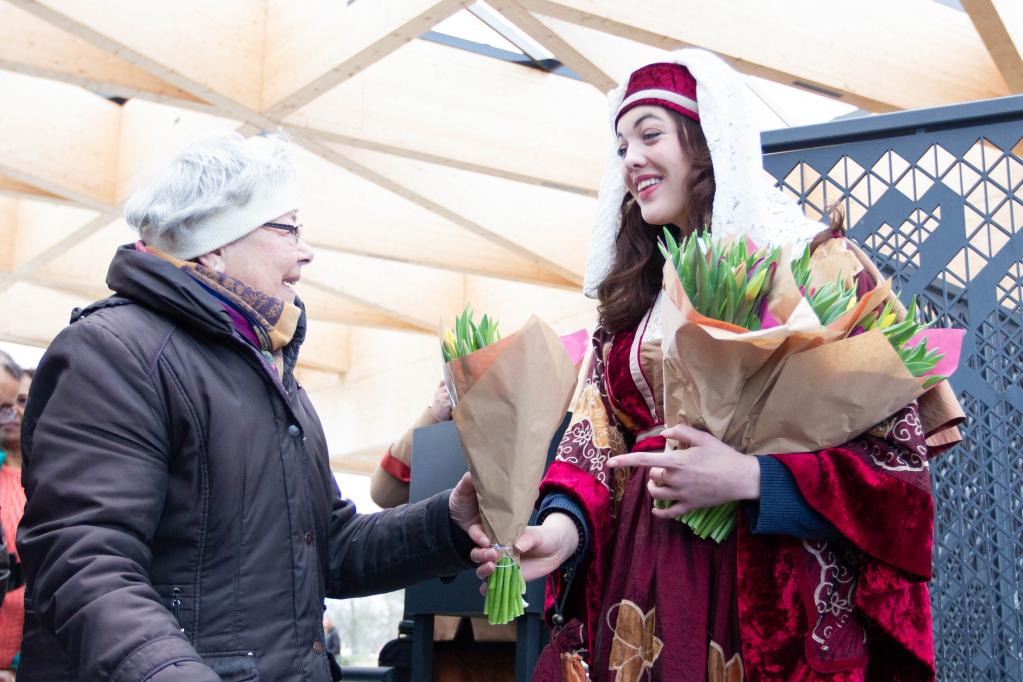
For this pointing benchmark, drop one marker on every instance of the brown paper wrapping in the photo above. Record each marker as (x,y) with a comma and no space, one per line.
(829,395)
(940,411)
(708,364)
(512,397)
(793,388)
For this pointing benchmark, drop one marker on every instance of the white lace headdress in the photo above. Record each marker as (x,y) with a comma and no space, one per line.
(745,202)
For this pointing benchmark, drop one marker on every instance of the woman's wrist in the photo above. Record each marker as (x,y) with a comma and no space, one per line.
(565,532)
(751,478)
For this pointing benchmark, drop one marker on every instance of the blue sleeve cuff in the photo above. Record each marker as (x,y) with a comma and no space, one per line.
(782,510)
(560,502)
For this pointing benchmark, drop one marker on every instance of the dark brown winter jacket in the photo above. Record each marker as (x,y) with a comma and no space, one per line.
(182,521)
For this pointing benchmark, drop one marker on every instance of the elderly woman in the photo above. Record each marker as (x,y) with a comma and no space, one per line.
(182,520)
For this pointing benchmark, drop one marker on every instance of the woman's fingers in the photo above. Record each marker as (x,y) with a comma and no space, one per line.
(659,492)
(643,459)
(483,554)
(677,509)
(686,436)
(484,570)
(477,535)
(663,477)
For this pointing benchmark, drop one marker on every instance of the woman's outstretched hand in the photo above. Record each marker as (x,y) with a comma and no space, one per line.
(703,472)
(542,549)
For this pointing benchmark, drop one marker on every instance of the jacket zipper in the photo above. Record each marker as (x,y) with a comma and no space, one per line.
(176,606)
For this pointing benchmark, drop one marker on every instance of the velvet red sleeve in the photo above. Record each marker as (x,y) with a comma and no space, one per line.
(876,491)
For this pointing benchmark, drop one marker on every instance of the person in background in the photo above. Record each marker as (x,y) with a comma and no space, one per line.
(14,384)
(389,484)
(332,640)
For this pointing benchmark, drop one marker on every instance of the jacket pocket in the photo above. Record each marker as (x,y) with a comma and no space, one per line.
(233,666)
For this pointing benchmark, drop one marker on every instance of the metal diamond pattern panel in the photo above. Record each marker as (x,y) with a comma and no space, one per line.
(937,198)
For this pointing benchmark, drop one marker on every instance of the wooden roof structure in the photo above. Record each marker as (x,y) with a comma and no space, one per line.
(450,150)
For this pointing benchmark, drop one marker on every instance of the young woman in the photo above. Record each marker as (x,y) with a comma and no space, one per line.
(825,577)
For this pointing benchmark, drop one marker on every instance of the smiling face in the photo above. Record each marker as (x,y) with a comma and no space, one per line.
(654,164)
(266,259)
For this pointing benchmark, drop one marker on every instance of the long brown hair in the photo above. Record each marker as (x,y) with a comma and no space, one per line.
(631,286)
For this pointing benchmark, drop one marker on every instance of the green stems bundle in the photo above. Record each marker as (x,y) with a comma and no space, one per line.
(724,281)
(467,336)
(727,282)
(715,523)
(505,587)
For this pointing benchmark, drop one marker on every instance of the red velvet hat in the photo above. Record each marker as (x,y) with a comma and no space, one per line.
(665,85)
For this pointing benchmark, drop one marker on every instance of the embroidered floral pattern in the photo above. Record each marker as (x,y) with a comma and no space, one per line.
(590,439)
(635,647)
(894,458)
(833,595)
(904,447)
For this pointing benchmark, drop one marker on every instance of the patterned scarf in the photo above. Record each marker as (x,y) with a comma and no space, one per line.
(273,321)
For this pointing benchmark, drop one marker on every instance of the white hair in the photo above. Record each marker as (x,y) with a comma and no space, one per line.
(213,175)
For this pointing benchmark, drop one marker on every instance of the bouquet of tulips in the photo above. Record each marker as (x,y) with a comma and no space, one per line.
(468,337)
(833,299)
(509,396)
(768,358)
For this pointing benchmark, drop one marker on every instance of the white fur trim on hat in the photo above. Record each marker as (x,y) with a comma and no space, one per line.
(230,224)
(666,95)
(745,202)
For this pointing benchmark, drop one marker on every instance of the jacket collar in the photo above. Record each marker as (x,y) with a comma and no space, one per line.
(157,284)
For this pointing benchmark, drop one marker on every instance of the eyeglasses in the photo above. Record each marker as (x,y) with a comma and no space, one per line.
(294,230)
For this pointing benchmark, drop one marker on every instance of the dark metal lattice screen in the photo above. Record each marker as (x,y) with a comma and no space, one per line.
(937,197)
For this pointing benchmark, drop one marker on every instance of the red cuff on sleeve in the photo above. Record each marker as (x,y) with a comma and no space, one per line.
(395,467)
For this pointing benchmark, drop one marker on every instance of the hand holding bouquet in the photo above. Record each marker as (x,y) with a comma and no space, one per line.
(767,358)
(509,397)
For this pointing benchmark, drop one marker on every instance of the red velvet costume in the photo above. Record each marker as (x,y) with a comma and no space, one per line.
(658,603)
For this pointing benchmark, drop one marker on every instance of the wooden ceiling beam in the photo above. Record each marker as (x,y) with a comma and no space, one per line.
(547,223)
(555,44)
(359,462)
(441,159)
(476,266)
(35,150)
(22,190)
(381,180)
(30,267)
(327,347)
(1000,25)
(471,112)
(140,40)
(223,62)
(941,60)
(400,320)
(35,47)
(75,287)
(314,45)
